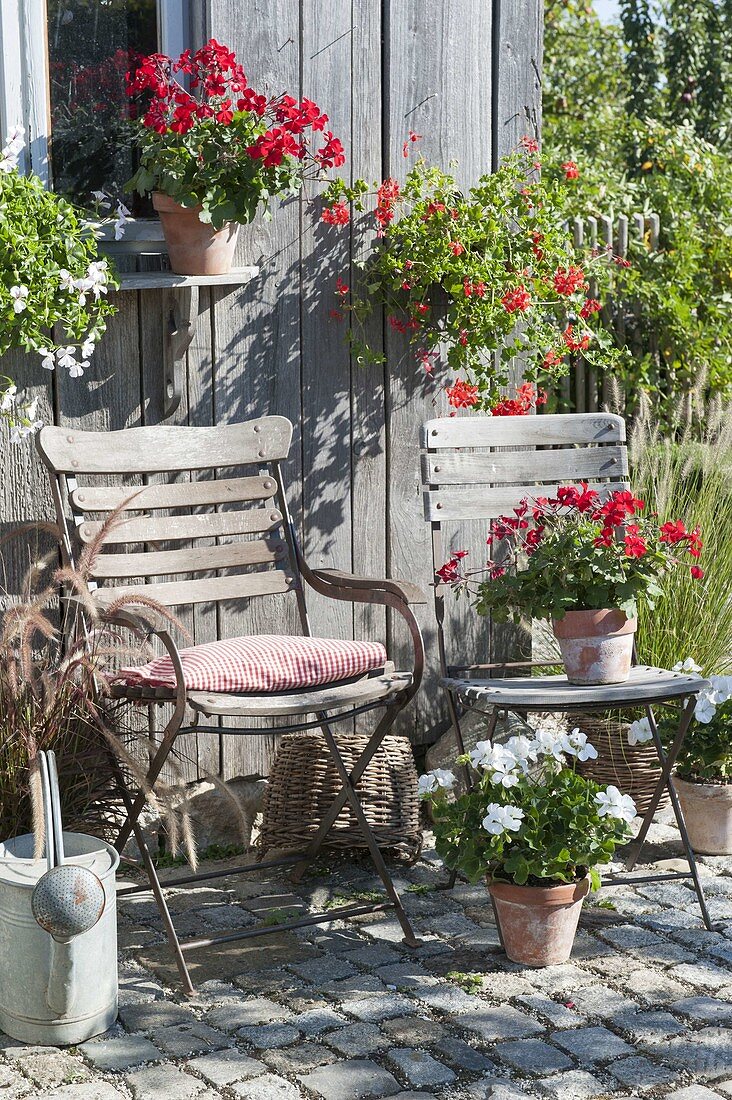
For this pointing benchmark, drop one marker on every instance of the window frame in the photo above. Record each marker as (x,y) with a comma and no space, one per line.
(24,83)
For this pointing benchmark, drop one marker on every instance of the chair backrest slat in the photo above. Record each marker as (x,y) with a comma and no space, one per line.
(173,593)
(521,431)
(166,448)
(179,528)
(181,494)
(160,563)
(487,503)
(515,467)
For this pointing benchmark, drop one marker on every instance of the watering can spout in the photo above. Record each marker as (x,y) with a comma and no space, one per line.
(60,994)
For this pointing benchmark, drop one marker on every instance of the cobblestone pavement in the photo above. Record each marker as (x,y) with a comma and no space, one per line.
(347,1012)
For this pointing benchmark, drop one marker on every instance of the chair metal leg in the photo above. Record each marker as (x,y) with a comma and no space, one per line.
(378,860)
(664,782)
(156,766)
(326,824)
(678,814)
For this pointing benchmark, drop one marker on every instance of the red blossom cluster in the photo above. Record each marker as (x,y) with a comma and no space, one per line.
(568,280)
(220,84)
(590,306)
(614,518)
(527,398)
(411,138)
(386,195)
(462,395)
(474,290)
(516,299)
(338,214)
(529,144)
(570,169)
(576,343)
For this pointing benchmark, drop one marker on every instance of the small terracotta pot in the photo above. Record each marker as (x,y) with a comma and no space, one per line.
(194,247)
(596,646)
(707,809)
(538,923)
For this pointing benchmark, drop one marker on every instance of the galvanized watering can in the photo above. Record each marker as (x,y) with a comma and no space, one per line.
(58,931)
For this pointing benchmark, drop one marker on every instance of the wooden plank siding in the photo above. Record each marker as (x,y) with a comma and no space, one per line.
(465,75)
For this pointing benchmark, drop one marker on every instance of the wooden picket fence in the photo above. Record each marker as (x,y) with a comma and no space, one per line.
(582,390)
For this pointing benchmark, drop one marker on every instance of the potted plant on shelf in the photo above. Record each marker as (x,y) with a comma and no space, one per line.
(478,275)
(535,830)
(212,155)
(703,772)
(53,284)
(584,562)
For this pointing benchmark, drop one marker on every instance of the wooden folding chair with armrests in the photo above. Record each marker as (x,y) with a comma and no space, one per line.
(478,468)
(256,536)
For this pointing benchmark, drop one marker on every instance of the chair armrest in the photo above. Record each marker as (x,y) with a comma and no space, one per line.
(405,590)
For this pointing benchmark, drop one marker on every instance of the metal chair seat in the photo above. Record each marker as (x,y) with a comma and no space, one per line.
(326,697)
(645,685)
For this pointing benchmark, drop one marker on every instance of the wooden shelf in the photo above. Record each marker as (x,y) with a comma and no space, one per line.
(168,280)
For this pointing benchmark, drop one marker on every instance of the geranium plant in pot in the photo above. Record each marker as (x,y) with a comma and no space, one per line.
(582,561)
(53,284)
(703,771)
(475,276)
(214,151)
(535,830)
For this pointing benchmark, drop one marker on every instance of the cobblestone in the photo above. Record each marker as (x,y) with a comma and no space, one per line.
(641,1074)
(533,1056)
(163,1082)
(592,1044)
(121,1053)
(419,1069)
(578,1084)
(226,1066)
(354,1080)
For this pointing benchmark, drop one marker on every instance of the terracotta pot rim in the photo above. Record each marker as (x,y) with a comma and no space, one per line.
(703,784)
(588,623)
(541,895)
(163,201)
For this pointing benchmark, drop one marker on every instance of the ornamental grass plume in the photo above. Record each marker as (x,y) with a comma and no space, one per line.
(56,650)
(687,472)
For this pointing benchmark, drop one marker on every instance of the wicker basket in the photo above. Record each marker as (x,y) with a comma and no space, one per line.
(304,782)
(634,769)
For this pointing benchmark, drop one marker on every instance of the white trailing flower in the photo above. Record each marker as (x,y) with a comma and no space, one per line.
(549,743)
(48,360)
(504,767)
(123,216)
(10,153)
(576,744)
(97,277)
(66,280)
(639,732)
(19,294)
(482,754)
(705,708)
(101,199)
(502,819)
(721,689)
(689,665)
(434,780)
(523,749)
(87,348)
(7,401)
(613,803)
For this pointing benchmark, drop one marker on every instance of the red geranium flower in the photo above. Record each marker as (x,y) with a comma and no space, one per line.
(462,395)
(336,215)
(568,280)
(590,306)
(571,171)
(516,299)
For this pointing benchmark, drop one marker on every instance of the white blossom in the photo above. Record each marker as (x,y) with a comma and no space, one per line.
(501,819)
(100,198)
(551,744)
(612,803)
(10,153)
(66,280)
(87,348)
(705,708)
(77,370)
(577,744)
(432,781)
(639,732)
(689,665)
(48,361)
(96,278)
(7,401)
(123,216)
(523,749)
(721,689)
(19,294)
(482,754)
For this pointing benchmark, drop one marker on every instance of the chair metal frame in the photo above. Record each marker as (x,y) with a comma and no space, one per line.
(477,468)
(144,453)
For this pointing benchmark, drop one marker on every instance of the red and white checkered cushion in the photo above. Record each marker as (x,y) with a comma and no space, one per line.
(263,663)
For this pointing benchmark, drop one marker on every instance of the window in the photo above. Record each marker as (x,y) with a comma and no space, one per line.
(62,79)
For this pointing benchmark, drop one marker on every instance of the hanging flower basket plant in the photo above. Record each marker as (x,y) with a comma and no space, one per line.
(535,830)
(215,151)
(479,277)
(583,562)
(53,284)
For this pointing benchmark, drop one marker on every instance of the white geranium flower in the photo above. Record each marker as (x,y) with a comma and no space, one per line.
(97,276)
(522,749)
(501,819)
(551,744)
(101,197)
(689,665)
(11,151)
(48,361)
(578,745)
(613,803)
(19,294)
(705,708)
(639,732)
(482,754)
(87,348)
(66,279)
(77,370)
(721,688)
(432,781)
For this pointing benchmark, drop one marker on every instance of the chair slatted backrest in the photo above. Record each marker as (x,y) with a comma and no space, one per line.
(222,535)
(481,467)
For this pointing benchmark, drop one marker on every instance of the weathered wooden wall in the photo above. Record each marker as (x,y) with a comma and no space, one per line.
(465,75)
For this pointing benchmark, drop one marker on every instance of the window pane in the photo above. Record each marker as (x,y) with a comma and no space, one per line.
(91,45)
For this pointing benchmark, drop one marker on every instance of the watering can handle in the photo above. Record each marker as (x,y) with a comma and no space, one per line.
(58,831)
(47,811)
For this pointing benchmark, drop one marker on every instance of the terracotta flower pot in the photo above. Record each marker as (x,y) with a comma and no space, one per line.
(707,809)
(538,923)
(194,247)
(596,646)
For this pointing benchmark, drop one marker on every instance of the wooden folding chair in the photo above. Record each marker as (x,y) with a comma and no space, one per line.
(252,551)
(478,468)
